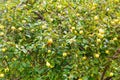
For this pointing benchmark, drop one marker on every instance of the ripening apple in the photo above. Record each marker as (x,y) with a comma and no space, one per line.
(81,31)
(96,17)
(84,58)
(77,14)
(101,31)
(115,38)
(20,28)
(59,6)
(49,51)
(50,41)
(111,74)
(73,28)
(64,54)
(80,79)
(113,22)
(4,49)
(1,75)
(100,35)
(32,30)
(2,27)
(98,40)
(44,26)
(13,28)
(96,55)
(6,69)
(75,32)
(48,64)
(1,33)
(107,52)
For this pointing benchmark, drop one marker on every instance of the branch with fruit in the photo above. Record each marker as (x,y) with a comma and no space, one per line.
(107,65)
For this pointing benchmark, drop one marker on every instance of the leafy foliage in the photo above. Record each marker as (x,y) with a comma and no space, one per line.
(59,39)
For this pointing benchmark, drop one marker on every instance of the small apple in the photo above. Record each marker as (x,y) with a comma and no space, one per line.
(50,41)
(23,21)
(64,54)
(113,22)
(77,14)
(59,6)
(32,30)
(116,1)
(14,59)
(20,28)
(1,33)
(73,28)
(6,69)
(13,28)
(1,75)
(115,38)
(101,31)
(107,52)
(2,27)
(4,49)
(111,74)
(48,64)
(84,58)
(76,55)
(75,32)
(44,26)
(80,79)
(100,35)
(49,51)
(98,40)
(81,31)
(96,17)
(97,55)
(116,20)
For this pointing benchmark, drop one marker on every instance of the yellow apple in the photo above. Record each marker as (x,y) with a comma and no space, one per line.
(2,27)
(78,14)
(107,52)
(84,58)
(96,17)
(6,69)
(49,51)
(75,32)
(32,30)
(23,21)
(101,31)
(44,26)
(1,75)
(20,28)
(1,33)
(50,41)
(81,31)
(97,55)
(100,35)
(64,54)
(73,28)
(4,49)
(13,28)
(59,6)
(115,39)
(48,64)
(113,22)
(98,40)
(111,74)
(80,79)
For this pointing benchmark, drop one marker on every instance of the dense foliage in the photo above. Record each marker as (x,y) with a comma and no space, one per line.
(59,39)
